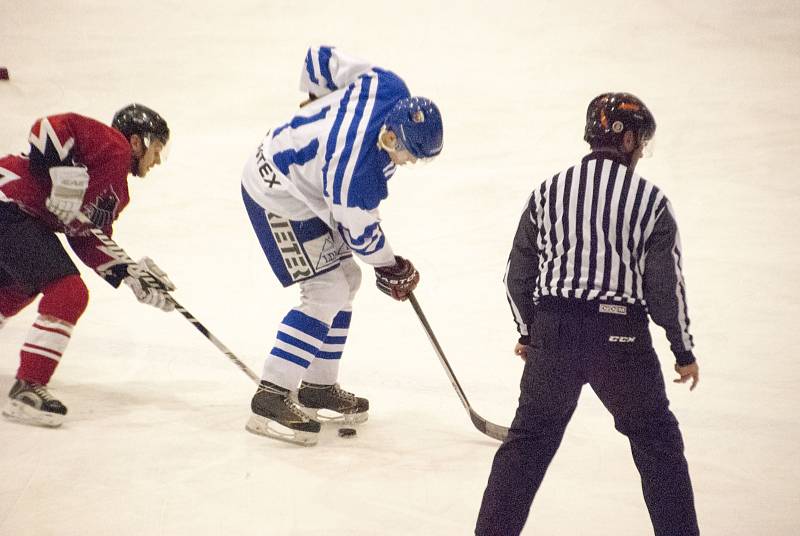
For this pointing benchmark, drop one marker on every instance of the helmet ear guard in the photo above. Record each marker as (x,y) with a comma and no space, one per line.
(417,123)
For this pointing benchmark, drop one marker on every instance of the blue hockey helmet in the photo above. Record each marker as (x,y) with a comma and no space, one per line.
(417,123)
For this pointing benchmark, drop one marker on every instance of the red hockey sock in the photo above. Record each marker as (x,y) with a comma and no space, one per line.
(63,303)
(65,299)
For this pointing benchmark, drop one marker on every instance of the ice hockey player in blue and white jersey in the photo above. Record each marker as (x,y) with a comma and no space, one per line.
(312,190)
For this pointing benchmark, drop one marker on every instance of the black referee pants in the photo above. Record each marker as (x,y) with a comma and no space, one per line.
(572,344)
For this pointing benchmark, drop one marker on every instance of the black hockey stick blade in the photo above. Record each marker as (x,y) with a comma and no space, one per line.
(485,427)
(488,428)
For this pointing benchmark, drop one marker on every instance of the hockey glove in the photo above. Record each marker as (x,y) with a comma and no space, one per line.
(399,280)
(150,284)
(66,196)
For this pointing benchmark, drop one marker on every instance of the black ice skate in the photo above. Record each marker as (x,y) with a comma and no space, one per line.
(31,403)
(277,416)
(331,403)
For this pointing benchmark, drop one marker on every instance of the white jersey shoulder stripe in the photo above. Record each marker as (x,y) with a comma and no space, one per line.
(7,176)
(46,132)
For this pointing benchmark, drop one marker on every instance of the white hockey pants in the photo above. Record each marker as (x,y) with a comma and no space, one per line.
(311,337)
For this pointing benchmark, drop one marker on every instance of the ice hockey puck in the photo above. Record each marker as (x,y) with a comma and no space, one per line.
(347,432)
(3,73)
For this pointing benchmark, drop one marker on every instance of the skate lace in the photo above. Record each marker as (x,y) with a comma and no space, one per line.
(341,393)
(287,401)
(294,408)
(41,392)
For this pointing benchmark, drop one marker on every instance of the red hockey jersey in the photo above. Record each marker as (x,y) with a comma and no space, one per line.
(67,140)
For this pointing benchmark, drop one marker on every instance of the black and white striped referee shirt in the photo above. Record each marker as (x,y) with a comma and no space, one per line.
(598,231)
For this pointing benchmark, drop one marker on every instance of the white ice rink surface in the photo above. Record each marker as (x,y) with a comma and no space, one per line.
(155,444)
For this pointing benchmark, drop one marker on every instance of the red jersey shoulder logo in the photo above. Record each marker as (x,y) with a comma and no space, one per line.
(103,211)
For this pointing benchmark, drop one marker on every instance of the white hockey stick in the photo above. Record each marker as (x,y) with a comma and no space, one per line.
(153,282)
(489,428)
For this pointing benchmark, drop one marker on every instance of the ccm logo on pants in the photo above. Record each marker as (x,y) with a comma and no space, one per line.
(620,338)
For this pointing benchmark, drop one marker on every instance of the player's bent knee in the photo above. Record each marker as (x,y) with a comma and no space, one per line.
(65,299)
(353,275)
(333,301)
(325,295)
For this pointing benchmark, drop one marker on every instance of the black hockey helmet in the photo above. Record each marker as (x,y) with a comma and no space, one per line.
(141,120)
(609,115)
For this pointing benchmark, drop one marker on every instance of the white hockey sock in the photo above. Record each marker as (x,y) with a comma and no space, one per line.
(42,349)
(47,338)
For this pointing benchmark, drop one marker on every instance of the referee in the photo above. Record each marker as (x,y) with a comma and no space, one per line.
(596,250)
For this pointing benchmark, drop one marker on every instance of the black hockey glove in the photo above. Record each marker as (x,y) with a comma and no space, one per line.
(399,280)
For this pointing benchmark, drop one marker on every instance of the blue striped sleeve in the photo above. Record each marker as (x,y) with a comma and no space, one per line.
(330,146)
(310,68)
(370,241)
(349,145)
(324,59)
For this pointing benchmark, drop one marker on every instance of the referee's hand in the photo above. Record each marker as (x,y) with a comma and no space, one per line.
(688,372)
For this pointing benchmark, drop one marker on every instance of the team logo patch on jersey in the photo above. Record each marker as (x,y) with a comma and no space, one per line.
(103,210)
(613,309)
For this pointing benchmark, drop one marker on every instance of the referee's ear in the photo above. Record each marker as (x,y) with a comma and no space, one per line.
(632,148)
(629,141)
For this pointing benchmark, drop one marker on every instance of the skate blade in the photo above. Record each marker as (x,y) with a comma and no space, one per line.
(262,426)
(327,416)
(24,414)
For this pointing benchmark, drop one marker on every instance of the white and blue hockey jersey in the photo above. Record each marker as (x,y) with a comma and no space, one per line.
(325,161)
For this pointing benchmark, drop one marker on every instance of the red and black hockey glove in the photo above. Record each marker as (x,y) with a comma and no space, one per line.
(399,280)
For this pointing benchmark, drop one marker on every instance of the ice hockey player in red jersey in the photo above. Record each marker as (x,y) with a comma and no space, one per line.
(77,168)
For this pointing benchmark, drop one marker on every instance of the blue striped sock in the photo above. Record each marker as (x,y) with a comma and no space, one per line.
(299,338)
(333,345)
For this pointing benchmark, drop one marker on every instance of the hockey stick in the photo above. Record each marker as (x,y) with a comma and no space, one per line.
(152,281)
(489,428)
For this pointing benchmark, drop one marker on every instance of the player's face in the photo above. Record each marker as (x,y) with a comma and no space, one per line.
(388,141)
(150,158)
(402,157)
